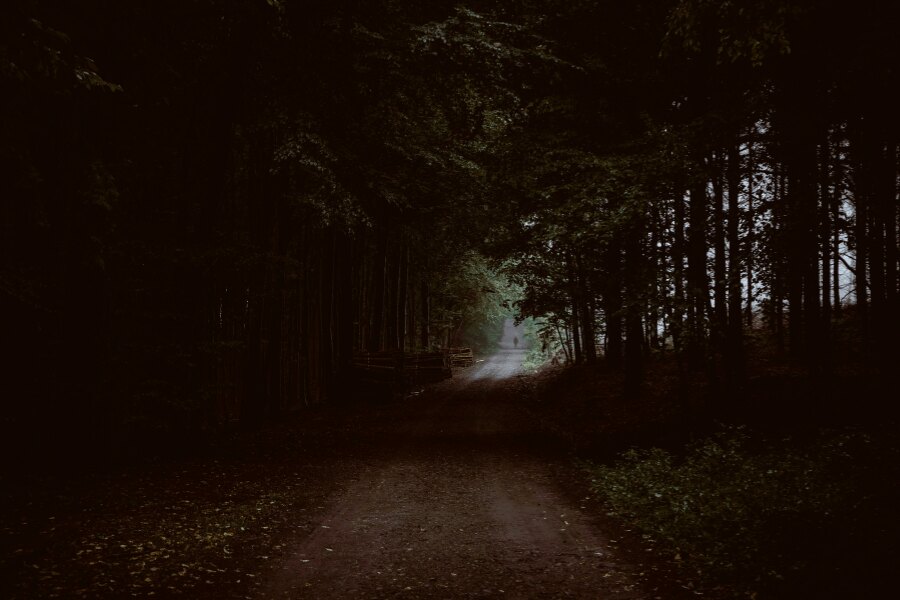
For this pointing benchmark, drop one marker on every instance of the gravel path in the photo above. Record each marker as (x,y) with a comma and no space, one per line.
(459,501)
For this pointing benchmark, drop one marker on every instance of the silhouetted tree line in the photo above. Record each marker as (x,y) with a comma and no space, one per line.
(209,205)
(707,173)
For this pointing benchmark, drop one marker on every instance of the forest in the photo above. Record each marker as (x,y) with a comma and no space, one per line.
(209,207)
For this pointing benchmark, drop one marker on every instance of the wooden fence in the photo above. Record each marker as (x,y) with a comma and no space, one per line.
(404,368)
(461,357)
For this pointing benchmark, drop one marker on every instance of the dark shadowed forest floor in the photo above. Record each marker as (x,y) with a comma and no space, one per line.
(466,489)
(456,491)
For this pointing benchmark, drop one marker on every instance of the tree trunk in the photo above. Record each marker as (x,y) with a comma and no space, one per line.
(426,316)
(678,249)
(835,248)
(720,275)
(734,338)
(402,294)
(697,282)
(751,218)
(392,297)
(586,320)
(861,231)
(612,305)
(379,276)
(576,329)
(634,330)
(892,247)
(825,195)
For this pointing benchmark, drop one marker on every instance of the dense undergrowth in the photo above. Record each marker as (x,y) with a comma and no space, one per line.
(785,488)
(764,516)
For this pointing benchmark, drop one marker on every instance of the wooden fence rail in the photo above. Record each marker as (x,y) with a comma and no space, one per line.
(461,357)
(403,368)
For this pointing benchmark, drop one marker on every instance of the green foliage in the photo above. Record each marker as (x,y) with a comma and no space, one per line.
(241,166)
(743,509)
(41,58)
(732,31)
(542,340)
(474,300)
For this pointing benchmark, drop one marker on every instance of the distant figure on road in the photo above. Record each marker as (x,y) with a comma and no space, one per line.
(516,341)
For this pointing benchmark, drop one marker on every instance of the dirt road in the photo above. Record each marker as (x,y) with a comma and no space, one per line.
(462,500)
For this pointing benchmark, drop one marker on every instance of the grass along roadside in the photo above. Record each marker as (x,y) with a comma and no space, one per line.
(765,517)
